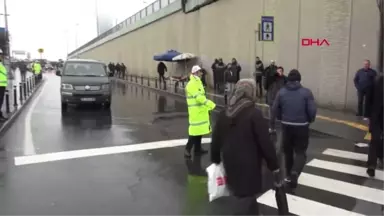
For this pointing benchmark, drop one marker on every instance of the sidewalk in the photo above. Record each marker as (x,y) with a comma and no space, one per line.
(331,122)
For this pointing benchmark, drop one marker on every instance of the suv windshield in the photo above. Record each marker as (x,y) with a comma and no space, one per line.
(84,69)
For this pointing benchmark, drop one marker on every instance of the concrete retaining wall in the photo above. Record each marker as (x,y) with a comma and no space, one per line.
(227,29)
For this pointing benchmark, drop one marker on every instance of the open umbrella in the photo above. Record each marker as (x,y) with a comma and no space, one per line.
(167,56)
(183,56)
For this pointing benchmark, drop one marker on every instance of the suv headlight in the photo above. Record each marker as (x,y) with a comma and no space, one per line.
(105,86)
(66,87)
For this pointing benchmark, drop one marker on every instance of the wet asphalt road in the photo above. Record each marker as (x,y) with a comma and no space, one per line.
(157,181)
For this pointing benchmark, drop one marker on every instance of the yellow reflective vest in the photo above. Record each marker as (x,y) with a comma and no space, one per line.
(198,107)
(3,76)
(37,68)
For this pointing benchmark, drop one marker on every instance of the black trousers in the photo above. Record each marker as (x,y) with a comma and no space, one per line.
(162,80)
(375,148)
(295,140)
(246,206)
(194,142)
(2,92)
(259,85)
(364,98)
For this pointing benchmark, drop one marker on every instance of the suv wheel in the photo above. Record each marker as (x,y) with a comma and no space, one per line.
(107,105)
(64,107)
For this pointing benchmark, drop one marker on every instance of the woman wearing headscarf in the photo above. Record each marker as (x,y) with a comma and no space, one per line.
(241,140)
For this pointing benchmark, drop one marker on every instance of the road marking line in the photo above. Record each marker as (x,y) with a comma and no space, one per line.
(66,155)
(344,168)
(343,188)
(301,206)
(346,154)
(29,147)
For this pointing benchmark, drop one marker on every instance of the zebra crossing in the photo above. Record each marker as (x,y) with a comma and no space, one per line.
(346,196)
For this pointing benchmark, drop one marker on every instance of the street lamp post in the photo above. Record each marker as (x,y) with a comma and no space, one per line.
(97,18)
(7,48)
(77,25)
(66,40)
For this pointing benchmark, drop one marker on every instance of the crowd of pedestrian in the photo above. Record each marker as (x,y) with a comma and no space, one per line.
(118,70)
(241,137)
(225,76)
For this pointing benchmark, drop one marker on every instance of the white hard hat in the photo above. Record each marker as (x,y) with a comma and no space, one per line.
(196,69)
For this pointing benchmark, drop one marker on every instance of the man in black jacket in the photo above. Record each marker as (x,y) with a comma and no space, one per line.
(259,70)
(118,70)
(376,128)
(269,73)
(23,69)
(214,72)
(279,80)
(296,108)
(123,70)
(364,79)
(111,68)
(161,69)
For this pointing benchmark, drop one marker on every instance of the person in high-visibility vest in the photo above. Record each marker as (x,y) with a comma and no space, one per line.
(198,112)
(36,67)
(3,84)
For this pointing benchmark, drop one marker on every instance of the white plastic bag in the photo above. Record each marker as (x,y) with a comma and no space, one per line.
(217,186)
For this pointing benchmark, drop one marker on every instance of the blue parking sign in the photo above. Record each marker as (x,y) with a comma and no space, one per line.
(267,28)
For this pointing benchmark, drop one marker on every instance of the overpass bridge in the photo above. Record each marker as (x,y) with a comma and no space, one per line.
(230,28)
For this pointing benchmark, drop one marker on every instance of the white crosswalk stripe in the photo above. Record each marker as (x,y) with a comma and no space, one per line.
(304,206)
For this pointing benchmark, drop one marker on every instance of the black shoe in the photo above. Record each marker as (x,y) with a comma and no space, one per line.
(371,172)
(380,163)
(3,119)
(187,154)
(201,152)
(291,181)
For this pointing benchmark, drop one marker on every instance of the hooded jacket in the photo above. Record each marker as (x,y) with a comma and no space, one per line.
(294,105)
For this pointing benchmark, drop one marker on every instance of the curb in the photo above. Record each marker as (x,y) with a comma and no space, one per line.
(16,113)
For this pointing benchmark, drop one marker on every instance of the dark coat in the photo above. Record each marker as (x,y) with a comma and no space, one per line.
(364,79)
(294,105)
(276,85)
(269,74)
(219,72)
(242,143)
(376,120)
(22,67)
(161,68)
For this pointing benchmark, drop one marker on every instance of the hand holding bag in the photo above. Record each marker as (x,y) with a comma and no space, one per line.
(217,185)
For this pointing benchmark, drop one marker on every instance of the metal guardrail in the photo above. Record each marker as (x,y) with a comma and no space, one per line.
(20,93)
(168,86)
(152,8)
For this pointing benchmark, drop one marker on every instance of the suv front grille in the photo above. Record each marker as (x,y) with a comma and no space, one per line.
(91,88)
